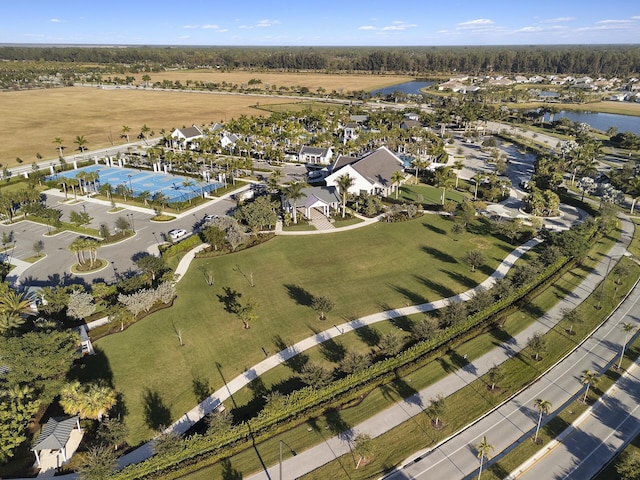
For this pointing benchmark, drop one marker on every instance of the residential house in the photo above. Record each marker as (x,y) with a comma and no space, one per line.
(372,172)
(228,140)
(350,132)
(186,137)
(315,155)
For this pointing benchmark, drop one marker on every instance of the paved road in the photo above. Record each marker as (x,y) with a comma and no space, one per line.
(504,427)
(593,439)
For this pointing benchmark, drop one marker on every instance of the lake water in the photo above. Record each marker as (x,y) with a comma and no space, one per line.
(602,121)
(412,87)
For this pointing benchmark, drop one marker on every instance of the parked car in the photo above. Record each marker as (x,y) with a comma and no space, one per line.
(177,233)
(209,217)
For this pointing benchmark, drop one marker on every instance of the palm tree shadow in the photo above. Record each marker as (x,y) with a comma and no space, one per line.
(441,290)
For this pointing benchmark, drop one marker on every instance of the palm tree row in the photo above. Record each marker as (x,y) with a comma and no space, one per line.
(82,245)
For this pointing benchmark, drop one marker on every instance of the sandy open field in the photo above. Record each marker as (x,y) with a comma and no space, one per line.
(345,83)
(31,120)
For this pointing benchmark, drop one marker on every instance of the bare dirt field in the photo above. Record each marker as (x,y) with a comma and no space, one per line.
(313,81)
(31,120)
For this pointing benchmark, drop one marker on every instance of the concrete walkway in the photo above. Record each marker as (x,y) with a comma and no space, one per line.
(212,402)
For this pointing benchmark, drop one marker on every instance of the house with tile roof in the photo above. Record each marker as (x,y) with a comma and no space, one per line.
(372,172)
(323,199)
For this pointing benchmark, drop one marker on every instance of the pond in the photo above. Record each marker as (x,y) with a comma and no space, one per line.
(602,121)
(410,88)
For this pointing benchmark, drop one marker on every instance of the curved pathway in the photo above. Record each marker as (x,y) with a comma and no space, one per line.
(212,402)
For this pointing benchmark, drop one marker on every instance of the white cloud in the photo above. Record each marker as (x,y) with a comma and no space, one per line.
(635,17)
(559,20)
(211,27)
(480,22)
(267,23)
(398,26)
(530,29)
(190,26)
(611,22)
(367,27)
(54,20)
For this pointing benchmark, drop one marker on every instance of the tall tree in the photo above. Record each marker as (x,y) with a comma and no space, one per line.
(627,328)
(543,407)
(396,179)
(588,378)
(345,182)
(293,193)
(484,450)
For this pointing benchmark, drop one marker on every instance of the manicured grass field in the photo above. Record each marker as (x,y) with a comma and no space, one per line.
(462,407)
(363,271)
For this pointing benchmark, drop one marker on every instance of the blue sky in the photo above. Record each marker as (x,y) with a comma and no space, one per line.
(328,22)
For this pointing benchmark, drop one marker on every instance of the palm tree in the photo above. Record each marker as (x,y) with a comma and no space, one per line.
(60,148)
(124,133)
(477,177)
(458,165)
(81,142)
(634,191)
(345,182)
(15,303)
(145,195)
(543,407)
(627,328)
(484,451)
(293,192)
(396,179)
(588,378)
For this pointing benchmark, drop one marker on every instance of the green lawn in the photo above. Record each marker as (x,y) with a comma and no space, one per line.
(462,407)
(433,195)
(363,271)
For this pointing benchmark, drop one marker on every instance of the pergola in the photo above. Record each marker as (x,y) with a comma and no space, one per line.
(55,435)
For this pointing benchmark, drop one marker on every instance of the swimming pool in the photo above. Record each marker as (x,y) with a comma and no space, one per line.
(176,188)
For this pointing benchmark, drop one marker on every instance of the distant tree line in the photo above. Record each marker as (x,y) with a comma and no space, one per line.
(595,60)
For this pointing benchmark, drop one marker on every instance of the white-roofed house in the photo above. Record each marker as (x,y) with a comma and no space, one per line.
(372,172)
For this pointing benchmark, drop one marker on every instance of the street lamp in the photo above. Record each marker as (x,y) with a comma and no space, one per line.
(293,453)
(130,187)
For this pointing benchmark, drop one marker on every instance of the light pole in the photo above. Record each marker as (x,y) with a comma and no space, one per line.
(130,187)
(293,453)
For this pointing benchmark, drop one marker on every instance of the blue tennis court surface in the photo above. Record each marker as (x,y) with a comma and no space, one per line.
(176,188)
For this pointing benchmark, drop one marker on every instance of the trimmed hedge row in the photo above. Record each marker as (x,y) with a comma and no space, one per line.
(308,402)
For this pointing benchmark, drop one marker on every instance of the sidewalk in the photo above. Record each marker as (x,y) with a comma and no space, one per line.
(211,403)
(384,421)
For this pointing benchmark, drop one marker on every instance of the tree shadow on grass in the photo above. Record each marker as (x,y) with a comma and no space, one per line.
(337,426)
(300,295)
(413,298)
(297,361)
(461,279)
(333,351)
(434,229)
(443,257)
(201,388)
(368,335)
(156,413)
(230,300)
(406,391)
(92,368)
(440,289)
(228,472)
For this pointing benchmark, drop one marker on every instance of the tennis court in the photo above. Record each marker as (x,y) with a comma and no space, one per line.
(175,187)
